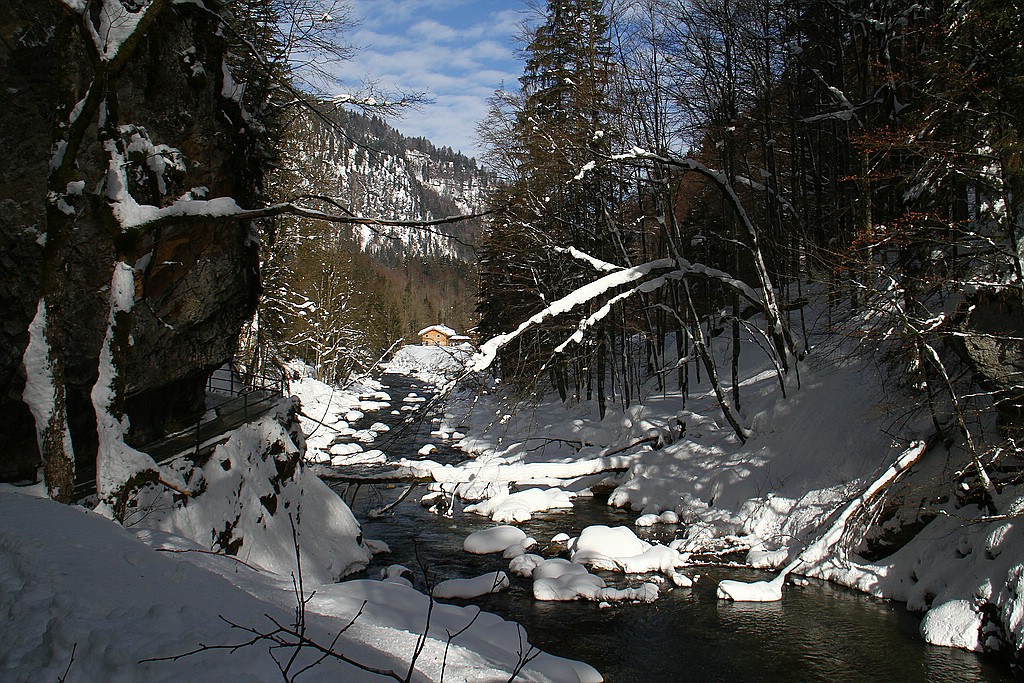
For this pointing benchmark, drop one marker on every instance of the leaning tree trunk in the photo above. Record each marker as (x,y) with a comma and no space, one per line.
(44,358)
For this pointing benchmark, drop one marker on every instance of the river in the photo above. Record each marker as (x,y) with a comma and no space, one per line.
(819,632)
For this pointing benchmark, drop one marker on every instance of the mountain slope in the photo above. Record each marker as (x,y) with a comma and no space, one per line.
(339,296)
(373,170)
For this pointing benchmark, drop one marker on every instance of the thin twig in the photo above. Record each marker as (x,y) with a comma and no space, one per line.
(64,677)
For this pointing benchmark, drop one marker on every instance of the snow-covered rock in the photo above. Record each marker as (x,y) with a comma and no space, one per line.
(520,506)
(493,540)
(602,545)
(954,624)
(756,591)
(253,489)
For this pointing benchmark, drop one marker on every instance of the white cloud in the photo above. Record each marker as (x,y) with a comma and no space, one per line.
(459,51)
(435,31)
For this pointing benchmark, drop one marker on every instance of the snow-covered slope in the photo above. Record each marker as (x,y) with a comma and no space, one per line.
(203,573)
(252,493)
(84,595)
(434,364)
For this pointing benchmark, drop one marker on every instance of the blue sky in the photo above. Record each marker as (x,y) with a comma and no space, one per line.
(459,51)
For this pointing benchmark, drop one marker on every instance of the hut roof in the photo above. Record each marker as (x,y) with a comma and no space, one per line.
(443,329)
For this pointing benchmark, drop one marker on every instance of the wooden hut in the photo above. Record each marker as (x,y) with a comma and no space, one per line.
(437,335)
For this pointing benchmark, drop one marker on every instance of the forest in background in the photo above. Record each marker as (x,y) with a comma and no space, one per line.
(145,196)
(677,170)
(694,164)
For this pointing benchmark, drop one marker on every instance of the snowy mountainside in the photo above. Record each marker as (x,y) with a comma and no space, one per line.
(375,171)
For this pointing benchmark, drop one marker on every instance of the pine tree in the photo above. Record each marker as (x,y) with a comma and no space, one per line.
(560,123)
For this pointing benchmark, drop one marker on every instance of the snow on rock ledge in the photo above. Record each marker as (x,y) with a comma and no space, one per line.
(251,487)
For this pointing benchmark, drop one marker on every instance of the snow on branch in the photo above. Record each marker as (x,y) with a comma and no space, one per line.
(489,350)
(848,112)
(781,337)
(134,216)
(678,268)
(601,313)
(116,27)
(685,268)
(593,261)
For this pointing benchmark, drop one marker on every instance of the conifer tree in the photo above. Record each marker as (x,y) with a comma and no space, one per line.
(559,123)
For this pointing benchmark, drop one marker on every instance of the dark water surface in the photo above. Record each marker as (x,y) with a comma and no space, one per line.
(819,632)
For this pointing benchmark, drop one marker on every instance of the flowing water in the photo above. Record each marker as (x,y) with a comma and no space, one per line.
(819,632)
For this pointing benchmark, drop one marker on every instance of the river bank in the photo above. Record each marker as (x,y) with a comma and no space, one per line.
(804,637)
(810,453)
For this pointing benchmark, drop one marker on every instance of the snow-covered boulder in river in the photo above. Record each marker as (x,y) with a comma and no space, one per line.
(432,364)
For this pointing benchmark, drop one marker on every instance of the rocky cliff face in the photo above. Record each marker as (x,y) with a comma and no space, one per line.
(991,338)
(196,284)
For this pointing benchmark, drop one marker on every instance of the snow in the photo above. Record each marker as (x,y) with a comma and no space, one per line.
(116,462)
(432,364)
(443,329)
(136,595)
(814,458)
(568,586)
(493,540)
(619,549)
(756,591)
(39,393)
(819,550)
(558,580)
(561,580)
(489,350)
(520,506)
(785,496)
(524,564)
(955,624)
(650,519)
(599,543)
(246,485)
(114,25)
(327,412)
(467,589)
(230,89)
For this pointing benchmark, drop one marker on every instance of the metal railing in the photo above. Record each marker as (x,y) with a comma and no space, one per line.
(236,401)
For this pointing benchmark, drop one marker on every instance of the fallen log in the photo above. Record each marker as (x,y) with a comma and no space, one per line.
(770,591)
(413,472)
(429,472)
